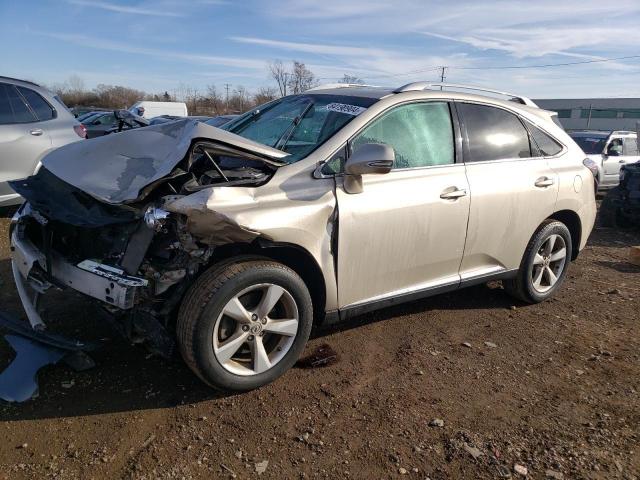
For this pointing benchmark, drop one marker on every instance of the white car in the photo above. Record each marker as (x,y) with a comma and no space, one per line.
(33,121)
(610,151)
(148,109)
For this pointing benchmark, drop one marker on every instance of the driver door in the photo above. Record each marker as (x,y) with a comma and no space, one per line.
(405,232)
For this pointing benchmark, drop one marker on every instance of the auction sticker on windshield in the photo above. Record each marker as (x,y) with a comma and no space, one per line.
(345,108)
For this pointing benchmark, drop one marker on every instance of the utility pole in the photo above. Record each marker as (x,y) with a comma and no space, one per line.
(589,119)
(442,77)
(226,86)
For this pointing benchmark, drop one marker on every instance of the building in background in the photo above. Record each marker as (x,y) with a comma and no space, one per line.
(595,113)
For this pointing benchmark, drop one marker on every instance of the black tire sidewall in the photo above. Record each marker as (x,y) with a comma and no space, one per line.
(555,228)
(208,365)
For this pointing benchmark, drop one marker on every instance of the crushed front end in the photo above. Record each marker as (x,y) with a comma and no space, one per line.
(130,254)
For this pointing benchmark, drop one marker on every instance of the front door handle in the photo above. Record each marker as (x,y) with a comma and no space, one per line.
(449,194)
(543,182)
(36,132)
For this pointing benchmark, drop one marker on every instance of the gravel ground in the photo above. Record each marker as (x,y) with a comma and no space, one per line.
(467,385)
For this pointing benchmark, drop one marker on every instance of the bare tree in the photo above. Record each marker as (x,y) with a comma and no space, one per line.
(301,78)
(264,95)
(346,78)
(279,73)
(75,84)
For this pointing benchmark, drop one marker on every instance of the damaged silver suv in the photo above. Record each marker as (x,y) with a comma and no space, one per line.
(232,243)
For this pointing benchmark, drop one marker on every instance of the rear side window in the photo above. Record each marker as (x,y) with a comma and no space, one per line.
(39,105)
(493,134)
(13,109)
(547,146)
(630,146)
(421,134)
(106,119)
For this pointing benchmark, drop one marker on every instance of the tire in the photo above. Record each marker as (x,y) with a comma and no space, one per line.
(221,310)
(537,258)
(609,208)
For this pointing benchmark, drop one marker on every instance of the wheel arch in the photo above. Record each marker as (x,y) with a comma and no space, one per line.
(573,223)
(293,256)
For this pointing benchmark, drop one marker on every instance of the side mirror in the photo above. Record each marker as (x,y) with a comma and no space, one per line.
(370,158)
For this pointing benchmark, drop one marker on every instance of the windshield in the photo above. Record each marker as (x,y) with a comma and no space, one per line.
(298,124)
(590,144)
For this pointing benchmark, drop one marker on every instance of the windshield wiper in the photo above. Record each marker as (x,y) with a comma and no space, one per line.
(288,133)
(250,117)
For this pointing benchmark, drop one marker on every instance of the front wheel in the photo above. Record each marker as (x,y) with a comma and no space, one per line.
(242,325)
(544,264)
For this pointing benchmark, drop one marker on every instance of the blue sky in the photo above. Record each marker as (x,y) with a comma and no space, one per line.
(163,44)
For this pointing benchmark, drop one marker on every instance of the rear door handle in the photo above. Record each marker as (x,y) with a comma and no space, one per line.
(543,182)
(449,194)
(36,132)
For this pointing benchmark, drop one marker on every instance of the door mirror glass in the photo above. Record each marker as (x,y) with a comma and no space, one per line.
(371,158)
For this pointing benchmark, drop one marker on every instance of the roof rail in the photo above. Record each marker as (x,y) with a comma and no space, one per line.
(623,132)
(19,80)
(418,86)
(325,86)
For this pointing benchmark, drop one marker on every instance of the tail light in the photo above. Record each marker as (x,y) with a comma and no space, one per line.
(80,130)
(592,166)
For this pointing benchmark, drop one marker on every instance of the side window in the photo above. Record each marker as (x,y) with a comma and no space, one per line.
(630,146)
(421,134)
(12,106)
(6,113)
(547,146)
(493,133)
(107,119)
(335,164)
(39,105)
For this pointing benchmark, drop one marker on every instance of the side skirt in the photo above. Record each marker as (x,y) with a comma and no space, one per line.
(346,313)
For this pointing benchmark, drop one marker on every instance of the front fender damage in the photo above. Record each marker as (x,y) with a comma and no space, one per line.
(208,225)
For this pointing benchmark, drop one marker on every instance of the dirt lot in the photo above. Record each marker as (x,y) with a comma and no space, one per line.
(556,391)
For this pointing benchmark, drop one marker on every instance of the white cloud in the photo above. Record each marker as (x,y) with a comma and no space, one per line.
(114,7)
(201,59)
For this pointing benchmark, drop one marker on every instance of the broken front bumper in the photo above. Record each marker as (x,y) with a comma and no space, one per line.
(41,271)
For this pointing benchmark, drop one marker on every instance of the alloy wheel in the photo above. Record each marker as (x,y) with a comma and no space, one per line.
(548,263)
(255,329)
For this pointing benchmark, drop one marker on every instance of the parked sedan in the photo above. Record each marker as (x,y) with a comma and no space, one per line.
(99,123)
(231,243)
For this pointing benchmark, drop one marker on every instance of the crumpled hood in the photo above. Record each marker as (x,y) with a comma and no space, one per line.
(115,168)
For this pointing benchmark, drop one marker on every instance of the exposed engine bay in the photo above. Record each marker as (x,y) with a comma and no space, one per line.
(133,255)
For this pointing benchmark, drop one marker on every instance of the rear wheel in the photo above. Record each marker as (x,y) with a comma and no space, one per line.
(242,325)
(544,264)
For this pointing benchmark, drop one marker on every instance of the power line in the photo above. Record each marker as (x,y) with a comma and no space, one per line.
(547,65)
(503,67)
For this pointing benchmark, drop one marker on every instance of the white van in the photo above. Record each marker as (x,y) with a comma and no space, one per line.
(155,109)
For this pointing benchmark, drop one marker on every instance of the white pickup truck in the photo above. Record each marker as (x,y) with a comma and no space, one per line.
(610,151)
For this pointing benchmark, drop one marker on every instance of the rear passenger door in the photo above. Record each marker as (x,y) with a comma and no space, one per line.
(513,189)
(23,139)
